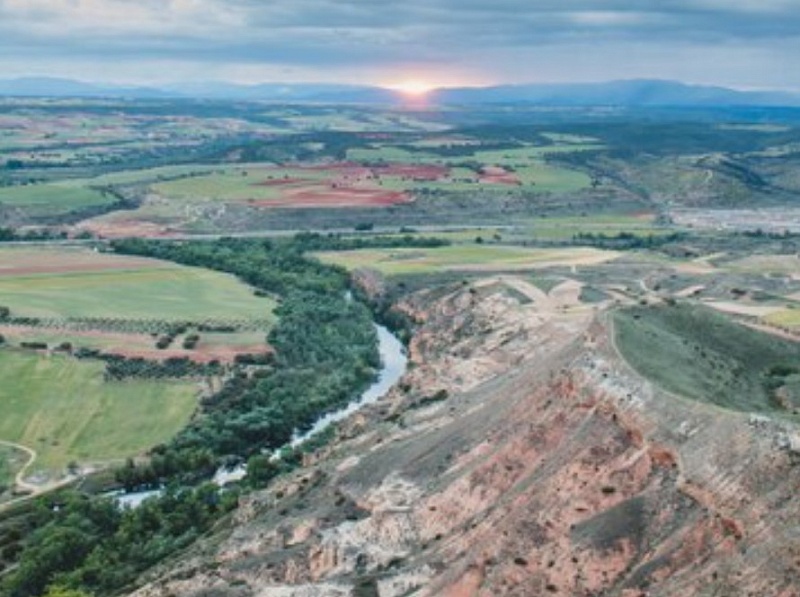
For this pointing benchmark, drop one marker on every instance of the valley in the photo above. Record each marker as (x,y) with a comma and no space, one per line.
(598,308)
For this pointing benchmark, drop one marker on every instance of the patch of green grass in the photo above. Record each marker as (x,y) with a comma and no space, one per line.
(467,257)
(702,355)
(53,198)
(563,229)
(528,163)
(592,295)
(545,283)
(228,186)
(64,410)
(789,318)
(570,138)
(389,153)
(529,155)
(163,291)
(552,179)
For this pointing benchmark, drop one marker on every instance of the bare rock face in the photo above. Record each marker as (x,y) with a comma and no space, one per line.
(548,467)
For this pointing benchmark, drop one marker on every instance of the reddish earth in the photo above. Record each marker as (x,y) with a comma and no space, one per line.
(202,354)
(138,345)
(336,197)
(498,175)
(550,468)
(127,228)
(350,185)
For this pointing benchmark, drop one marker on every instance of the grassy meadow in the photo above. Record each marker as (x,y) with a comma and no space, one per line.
(64,410)
(702,355)
(80,284)
(467,257)
(50,198)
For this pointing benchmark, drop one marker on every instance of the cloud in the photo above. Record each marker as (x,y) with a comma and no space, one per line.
(331,38)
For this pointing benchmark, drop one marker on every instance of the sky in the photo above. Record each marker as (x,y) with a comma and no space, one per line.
(748,44)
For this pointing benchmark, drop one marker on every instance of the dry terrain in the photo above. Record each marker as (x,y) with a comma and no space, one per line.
(521,455)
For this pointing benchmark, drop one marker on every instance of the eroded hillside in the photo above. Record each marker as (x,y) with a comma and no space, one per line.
(519,456)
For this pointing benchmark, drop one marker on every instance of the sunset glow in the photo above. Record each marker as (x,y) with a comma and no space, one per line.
(412,87)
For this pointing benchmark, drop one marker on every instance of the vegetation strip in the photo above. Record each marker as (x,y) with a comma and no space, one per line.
(326,354)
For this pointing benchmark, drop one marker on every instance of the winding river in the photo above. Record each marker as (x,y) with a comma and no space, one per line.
(394,364)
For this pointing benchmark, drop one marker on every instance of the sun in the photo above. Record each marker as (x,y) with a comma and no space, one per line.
(412,87)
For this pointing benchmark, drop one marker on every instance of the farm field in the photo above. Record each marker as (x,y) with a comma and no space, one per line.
(524,167)
(473,257)
(66,283)
(64,410)
(333,185)
(211,346)
(48,199)
(564,228)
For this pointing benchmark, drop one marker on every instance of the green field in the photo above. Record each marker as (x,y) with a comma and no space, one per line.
(125,289)
(789,318)
(515,156)
(473,257)
(64,410)
(47,199)
(702,355)
(229,185)
(563,229)
(527,163)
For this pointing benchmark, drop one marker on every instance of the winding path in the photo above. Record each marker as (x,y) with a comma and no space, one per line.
(19,479)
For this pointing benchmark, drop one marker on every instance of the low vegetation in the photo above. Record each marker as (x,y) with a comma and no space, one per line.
(699,354)
(467,257)
(65,410)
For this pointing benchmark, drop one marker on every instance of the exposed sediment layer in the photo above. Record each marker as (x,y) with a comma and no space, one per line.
(549,467)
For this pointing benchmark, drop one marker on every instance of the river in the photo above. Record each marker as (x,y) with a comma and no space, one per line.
(394,364)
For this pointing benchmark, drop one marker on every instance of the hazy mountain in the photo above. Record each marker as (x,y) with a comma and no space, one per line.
(55,87)
(615,93)
(618,93)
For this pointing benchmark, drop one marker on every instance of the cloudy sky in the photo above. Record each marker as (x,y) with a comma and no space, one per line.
(739,43)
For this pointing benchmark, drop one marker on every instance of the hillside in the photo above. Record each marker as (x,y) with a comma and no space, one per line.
(520,456)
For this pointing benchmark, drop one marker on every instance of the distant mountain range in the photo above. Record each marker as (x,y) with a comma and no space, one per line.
(631,93)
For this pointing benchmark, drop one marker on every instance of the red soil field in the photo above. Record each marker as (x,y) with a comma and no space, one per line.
(119,228)
(336,197)
(498,175)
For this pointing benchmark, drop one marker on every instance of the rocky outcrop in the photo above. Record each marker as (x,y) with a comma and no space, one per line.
(545,467)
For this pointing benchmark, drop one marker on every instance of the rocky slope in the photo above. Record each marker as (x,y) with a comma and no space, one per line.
(519,456)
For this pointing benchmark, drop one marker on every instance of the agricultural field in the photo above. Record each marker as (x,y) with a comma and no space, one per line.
(63,300)
(51,199)
(565,228)
(65,411)
(77,283)
(129,306)
(468,257)
(334,185)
